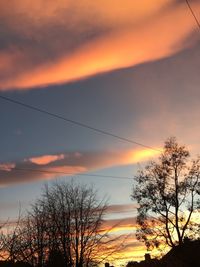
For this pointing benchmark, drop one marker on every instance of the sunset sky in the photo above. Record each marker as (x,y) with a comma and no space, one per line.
(127,67)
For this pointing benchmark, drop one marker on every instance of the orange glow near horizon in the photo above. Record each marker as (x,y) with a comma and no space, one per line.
(143,155)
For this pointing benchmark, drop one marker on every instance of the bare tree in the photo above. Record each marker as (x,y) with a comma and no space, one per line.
(2,238)
(10,239)
(64,227)
(168,192)
(79,216)
(26,241)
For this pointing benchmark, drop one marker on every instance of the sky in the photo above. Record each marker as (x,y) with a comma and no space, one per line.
(128,68)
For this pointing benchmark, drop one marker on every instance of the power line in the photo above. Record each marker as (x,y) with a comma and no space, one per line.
(80,124)
(83,125)
(70,173)
(193,14)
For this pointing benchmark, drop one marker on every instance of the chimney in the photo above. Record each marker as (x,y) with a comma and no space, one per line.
(147,257)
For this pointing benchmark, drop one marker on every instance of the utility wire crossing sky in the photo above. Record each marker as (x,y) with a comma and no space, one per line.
(125,72)
(75,122)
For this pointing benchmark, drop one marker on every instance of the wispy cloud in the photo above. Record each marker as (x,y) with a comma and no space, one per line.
(120,224)
(55,46)
(65,164)
(7,167)
(121,208)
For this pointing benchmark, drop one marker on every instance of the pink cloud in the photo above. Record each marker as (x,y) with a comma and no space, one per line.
(7,166)
(58,171)
(46,159)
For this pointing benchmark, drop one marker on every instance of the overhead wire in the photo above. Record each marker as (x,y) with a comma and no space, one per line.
(193,13)
(31,107)
(70,173)
(83,125)
(78,123)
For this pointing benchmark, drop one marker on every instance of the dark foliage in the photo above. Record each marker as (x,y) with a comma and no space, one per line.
(12,264)
(168,194)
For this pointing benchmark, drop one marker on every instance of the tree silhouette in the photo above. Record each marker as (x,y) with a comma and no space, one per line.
(63,228)
(2,225)
(55,259)
(168,192)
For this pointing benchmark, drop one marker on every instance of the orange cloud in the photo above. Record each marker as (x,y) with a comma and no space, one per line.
(46,159)
(52,166)
(119,225)
(146,31)
(141,155)
(106,11)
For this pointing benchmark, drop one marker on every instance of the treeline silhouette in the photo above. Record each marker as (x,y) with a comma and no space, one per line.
(184,255)
(63,228)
